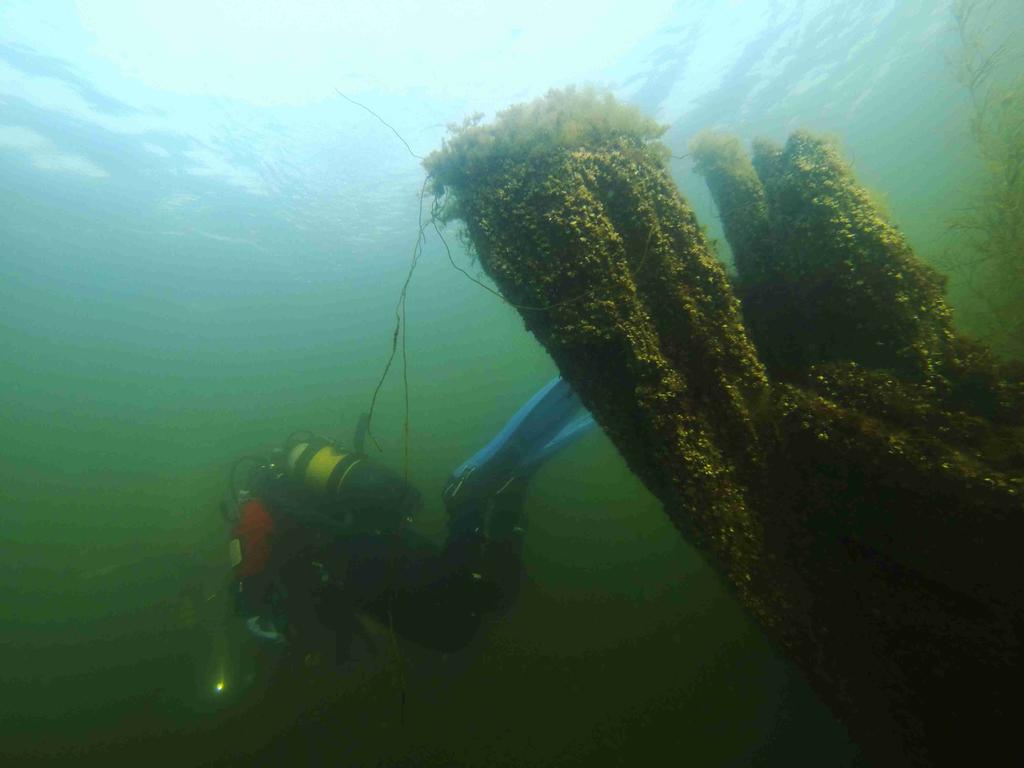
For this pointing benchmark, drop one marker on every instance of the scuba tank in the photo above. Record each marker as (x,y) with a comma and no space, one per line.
(313,481)
(347,489)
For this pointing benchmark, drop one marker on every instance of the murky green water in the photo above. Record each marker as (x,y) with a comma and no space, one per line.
(187,275)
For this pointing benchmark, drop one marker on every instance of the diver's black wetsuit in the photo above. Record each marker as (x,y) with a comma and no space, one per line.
(317,579)
(350,550)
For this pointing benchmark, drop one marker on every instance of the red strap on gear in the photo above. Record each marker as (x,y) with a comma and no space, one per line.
(254,531)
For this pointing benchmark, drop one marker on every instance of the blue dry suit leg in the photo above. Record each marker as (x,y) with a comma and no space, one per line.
(548,422)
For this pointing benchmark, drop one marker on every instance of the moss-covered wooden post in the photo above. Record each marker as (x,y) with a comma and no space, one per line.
(862,511)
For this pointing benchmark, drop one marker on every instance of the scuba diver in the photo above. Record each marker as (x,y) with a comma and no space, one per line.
(321,536)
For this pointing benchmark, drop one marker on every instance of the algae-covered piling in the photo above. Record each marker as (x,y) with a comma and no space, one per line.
(852,467)
(824,277)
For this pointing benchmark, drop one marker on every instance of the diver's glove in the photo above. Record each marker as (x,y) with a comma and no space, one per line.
(263,628)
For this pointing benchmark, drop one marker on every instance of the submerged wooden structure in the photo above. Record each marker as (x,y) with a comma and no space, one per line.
(852,466)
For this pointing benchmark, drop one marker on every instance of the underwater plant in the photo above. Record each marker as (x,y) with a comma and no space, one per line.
(991,224)
(852,467)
